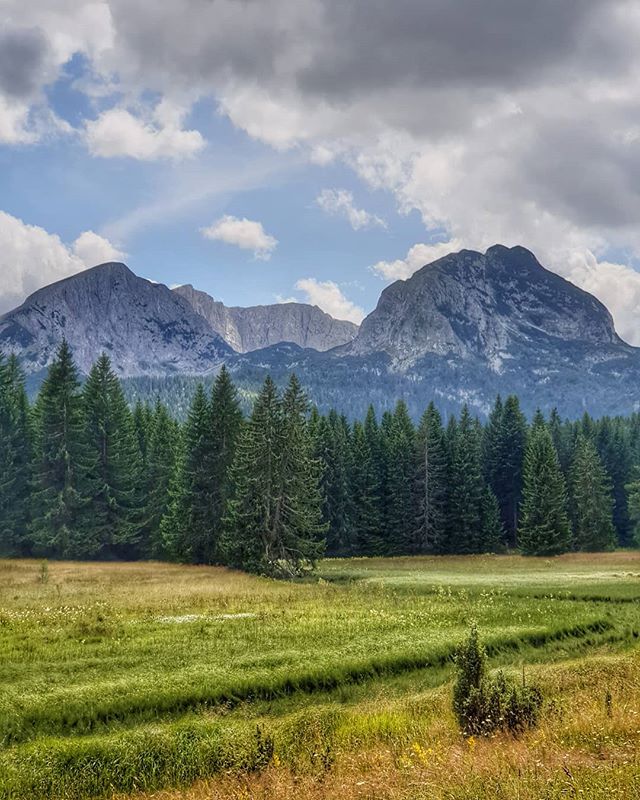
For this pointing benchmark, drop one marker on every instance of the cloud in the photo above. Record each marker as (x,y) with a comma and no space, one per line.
(328,296)
(243,233)
(340,202)
(23,55)
(31,257)
(93,249)
(417,257)
(513,122)
(117,132)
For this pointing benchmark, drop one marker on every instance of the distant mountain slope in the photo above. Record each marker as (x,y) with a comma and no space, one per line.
(143,326)
(256,327)
(458,331)
(491,306)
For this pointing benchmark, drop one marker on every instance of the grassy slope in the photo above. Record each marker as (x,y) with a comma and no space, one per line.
(100,691)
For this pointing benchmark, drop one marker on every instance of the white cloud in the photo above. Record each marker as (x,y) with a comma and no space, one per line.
(340,202)
(615,285)
(117,132)
(328,296)
(92,249)
(31,257)
(418,256)
(243,233)
(14,123)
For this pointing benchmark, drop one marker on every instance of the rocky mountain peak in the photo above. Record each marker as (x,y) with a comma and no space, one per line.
(488,306)
(257,327)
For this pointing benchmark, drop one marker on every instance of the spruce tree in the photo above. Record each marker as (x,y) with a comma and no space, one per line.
(161,467)
(16,454)
(430,483)
(115,475)
(225,426)
(332,448)
(591,503)
(274,521)
(399,449)
(465,531)
(544,524)
(364,488)
(504,443)
(61,522)
(187,529)
(612,442)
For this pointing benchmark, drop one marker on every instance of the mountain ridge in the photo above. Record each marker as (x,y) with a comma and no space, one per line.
(256,327)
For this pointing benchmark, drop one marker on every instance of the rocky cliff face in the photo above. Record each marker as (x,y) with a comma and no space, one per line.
(143,326)
(491,307)
(256,327)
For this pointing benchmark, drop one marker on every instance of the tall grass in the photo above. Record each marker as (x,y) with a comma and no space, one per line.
(124,677)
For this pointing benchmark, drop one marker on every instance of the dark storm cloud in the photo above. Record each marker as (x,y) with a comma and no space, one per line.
(23,53)
(369,44)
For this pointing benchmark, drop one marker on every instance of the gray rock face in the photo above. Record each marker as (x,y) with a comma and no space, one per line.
(489,306)
(256,327)
(143,326)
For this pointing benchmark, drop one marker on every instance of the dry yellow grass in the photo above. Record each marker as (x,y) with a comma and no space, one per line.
(588,747)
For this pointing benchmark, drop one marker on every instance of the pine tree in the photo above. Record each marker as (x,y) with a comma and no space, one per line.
(465,530)
(332,448)
(591,503)
(430,486)
(544,524)
(612,442)
(187,529)
(399,449)
(225,426)
(274,521)
(115,476)
(61,524)
(504,444)
(161,467)
(366,539)
(16,454)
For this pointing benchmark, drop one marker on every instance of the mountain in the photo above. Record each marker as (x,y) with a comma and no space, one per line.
(256,327)
(491,307)
(460,330)
(143,326)
(465,328)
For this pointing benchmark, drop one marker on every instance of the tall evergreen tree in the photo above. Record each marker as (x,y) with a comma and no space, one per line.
(187,529)
(504,444)
(60,523)
(399,449)
(544,524)
(274,521)
(115,474)
(16,454)
(364,488)
(332,448)
(614,450)
(430,487)
(225,426)
(161,468)
(471,522)
(591,503)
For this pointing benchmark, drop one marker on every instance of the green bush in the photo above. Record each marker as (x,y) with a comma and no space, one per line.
(483,705)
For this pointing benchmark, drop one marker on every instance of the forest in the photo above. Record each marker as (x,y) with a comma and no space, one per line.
(84,476)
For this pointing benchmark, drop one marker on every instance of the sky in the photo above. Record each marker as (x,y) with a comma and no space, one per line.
(317,150)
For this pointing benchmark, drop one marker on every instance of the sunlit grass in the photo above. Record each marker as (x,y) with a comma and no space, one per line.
(148,675)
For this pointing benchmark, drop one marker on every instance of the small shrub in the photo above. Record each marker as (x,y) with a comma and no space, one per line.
(483,705)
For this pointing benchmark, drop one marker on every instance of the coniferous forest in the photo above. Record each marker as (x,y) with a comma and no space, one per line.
(82,476)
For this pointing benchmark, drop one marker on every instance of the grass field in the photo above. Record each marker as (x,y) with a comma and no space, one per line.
(130,678)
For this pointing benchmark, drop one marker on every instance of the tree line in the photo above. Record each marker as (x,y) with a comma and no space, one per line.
(84,476)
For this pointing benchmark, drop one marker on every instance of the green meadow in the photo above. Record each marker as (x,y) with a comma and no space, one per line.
(128,678)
